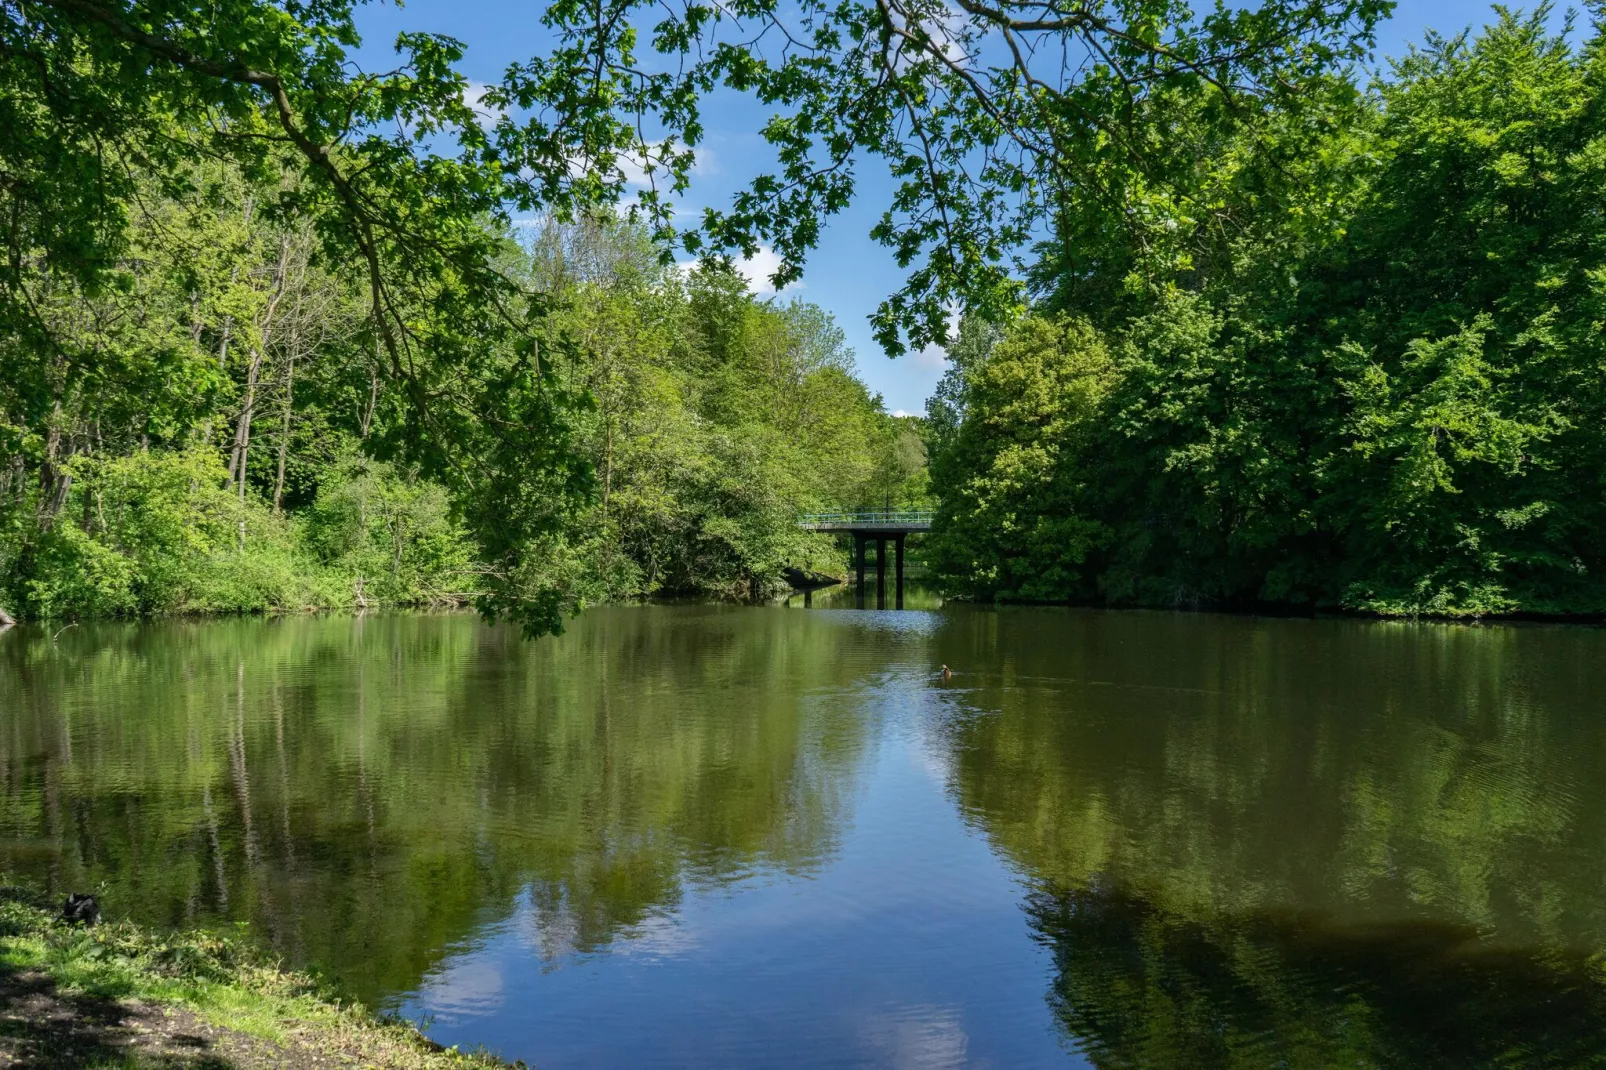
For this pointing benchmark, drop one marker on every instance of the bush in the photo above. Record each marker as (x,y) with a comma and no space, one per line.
(160,532)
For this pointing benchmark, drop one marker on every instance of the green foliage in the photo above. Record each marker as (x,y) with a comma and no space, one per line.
(229,176)
(659,435)
(158,532)
(140,534)
(1384,393)
(1009,518)
(716,418)
(1159,122)
(229,983)
(393,536)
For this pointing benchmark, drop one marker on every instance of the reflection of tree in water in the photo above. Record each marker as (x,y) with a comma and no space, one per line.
(1139,987)
(369,793)
(1297,843)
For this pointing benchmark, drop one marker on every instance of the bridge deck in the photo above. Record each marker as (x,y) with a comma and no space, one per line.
(903,522)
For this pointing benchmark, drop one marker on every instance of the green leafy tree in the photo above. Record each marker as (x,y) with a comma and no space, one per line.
(1377,389)
(1009,521)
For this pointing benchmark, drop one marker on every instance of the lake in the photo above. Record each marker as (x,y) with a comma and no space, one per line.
(736,836)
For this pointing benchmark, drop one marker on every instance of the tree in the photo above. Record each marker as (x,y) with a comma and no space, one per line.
(1012,519)
(1387,400)
(995,118)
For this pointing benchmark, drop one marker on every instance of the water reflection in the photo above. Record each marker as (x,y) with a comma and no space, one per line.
(916,595)
(1139,986)
(1275,843)
(732,836)
(368,792)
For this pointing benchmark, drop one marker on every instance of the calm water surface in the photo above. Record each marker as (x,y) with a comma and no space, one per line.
(731,836)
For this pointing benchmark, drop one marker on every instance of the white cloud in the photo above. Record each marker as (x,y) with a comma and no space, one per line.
(948,30)
(756,269)
(634,169)
(901,413)
(934,357)
(474,96)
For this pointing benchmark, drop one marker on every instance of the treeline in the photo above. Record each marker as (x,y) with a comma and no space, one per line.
(712,418)
(213,425)
(1362,364)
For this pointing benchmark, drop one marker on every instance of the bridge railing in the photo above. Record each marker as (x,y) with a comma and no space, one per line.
(894,517)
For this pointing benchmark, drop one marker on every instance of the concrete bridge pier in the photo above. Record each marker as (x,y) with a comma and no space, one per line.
(861,550)
(858,564)
(900,571)
(881,527)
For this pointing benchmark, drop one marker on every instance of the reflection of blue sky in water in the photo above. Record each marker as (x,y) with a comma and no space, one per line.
(909,948)
(720,835)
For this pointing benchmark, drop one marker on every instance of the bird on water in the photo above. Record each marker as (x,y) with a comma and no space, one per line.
(947,674)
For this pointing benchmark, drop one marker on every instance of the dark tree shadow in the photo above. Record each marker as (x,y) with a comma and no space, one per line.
(43,1027)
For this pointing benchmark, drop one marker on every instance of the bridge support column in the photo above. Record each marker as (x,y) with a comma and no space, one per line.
(881,572)
(858,559)
(900,571)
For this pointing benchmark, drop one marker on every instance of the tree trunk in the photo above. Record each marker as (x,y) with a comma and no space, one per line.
(55,479)
(607,469)
(234,274)
(242,430)
(6,619)
(284,434)
(373,392)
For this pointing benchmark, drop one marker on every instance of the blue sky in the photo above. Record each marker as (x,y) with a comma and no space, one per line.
(848,274)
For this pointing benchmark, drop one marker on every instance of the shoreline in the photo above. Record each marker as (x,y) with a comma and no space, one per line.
(119,994)
(1277,610)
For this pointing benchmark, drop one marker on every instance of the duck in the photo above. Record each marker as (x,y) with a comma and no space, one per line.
(83,909)
(947,674)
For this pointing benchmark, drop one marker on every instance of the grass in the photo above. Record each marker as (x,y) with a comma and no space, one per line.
(85,981)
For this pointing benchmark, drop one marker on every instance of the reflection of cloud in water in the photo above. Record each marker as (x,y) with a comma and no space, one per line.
(916,1038)
(931,756)
(464,987)
(659,937)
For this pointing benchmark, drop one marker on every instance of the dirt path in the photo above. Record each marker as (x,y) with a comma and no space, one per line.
(41,1027)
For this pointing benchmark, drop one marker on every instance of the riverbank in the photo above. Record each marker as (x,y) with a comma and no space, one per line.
(119,995)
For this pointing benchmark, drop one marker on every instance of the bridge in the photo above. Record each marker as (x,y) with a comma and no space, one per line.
(879,526)
(895,522)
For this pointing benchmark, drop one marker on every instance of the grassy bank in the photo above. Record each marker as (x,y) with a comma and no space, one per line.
(117,995)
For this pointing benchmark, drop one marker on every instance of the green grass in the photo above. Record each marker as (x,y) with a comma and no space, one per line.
(225,982)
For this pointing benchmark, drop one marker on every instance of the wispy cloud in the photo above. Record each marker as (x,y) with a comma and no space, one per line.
(634,169)
(934,357)
(474,96)
(757,269)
